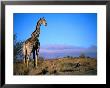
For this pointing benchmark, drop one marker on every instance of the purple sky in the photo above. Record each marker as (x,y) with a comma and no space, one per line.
(53,51)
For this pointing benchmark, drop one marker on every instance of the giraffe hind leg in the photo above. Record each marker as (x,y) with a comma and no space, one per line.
(27,62)
(24,59)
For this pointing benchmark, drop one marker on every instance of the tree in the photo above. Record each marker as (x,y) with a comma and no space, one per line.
(17,47)
(68,56)
(82,55)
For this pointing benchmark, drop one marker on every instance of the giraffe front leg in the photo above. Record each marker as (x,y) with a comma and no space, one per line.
(36,60)
(34,57)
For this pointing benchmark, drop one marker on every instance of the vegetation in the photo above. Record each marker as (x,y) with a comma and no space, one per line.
(82,55)
(17,47)
(60,66)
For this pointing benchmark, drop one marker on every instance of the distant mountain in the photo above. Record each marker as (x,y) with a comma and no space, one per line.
(54,51)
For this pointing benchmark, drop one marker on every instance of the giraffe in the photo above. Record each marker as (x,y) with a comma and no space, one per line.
(32,44)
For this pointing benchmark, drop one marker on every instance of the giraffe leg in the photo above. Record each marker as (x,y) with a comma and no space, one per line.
(37,53)
(36,59)
(24,59)
(27,62)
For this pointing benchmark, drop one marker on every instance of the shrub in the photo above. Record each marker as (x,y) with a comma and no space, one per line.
(82,55)
(40,60)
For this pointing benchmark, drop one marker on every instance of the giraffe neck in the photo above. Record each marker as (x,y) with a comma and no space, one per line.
(38,29)
(38,25)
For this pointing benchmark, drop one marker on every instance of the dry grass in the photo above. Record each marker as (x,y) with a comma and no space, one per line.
(63,66)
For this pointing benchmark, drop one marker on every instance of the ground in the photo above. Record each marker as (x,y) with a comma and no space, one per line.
(59,66)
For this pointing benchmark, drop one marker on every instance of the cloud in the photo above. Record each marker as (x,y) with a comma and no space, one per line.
(62,50)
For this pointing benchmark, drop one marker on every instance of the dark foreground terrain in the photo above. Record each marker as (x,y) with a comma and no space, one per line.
(61,66)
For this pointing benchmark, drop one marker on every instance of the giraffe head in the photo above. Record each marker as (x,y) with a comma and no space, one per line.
(37,32)
(43,21)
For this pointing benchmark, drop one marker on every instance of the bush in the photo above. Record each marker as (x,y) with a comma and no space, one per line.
(40,60)
(17,47)
(66,67)
(82,55)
